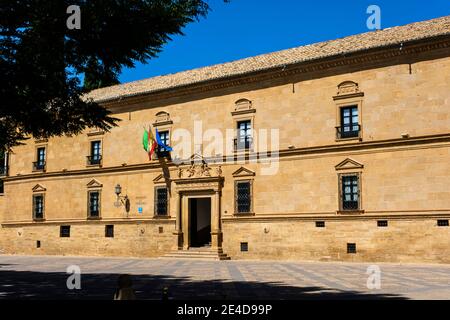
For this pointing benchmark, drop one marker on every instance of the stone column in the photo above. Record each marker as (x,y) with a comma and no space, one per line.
(216,233)
(185,223)
(178,233)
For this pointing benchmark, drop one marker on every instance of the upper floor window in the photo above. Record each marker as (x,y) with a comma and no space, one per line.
(350,192)
(349,123)
(164,135)
(243,196)
(161,201)
(3,164)
(39,164)
(95,158)
(94,204)
(38,206)
(244,135)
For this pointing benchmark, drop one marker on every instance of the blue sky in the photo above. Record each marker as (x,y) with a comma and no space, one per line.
(244,28)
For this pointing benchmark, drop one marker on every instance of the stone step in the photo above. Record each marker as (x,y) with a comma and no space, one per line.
(203,253)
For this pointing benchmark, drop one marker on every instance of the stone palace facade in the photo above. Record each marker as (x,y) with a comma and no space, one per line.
(360,172)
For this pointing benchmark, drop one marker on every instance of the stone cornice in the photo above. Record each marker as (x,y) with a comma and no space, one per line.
(47,222)
(286,153)
(356,58)
(326,216)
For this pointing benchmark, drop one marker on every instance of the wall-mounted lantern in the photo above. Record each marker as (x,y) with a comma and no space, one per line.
(123,199)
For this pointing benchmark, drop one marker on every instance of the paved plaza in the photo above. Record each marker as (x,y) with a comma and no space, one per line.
(45,277)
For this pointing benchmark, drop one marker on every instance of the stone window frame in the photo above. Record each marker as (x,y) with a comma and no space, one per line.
(89,216)
(155,202)
(40,144)
(349,95)
(341,210)
(236,182)
(243,111)
(33,211)
(93,138)
(163,125)
(5,164)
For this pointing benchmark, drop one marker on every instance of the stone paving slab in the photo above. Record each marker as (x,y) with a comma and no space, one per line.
(44,277)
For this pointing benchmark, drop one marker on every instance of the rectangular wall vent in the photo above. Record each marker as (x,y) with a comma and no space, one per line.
(351,247)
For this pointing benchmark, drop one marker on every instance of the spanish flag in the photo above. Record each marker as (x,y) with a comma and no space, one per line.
(149,143)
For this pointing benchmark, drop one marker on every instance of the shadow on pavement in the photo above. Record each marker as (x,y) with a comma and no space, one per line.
(52,285)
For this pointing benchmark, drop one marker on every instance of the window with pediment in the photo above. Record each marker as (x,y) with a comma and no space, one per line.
(348,102)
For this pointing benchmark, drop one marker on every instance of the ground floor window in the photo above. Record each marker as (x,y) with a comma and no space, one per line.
(38,206)
(161,201)
(243,196)
(349,192)
(94,204)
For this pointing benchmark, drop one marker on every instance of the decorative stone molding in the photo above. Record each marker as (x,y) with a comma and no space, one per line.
(243,172)
(349,164)
(94,183)
(242,106)
(162,118)
(39,188)
(348,89)
(161,179)
(40,141)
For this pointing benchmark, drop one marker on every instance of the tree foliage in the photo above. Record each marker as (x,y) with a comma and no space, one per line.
(41,59)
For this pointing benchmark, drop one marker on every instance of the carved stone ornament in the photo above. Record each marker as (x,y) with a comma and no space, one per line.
(348,87)
(199,168)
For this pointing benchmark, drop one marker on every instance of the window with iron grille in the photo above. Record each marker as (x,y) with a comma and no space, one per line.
(2,189)
(442,223)
(109,231)
(320,224)
(244,246)
(38,206)
(64,231)
(94,204)
(349,123)
(351,247)
(96,150)
(349,193)
(244,135)
(161,201)
(382,223)
(243,190)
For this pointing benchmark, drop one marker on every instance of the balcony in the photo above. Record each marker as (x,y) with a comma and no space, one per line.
(350,205)
(348,131)
(243,143)
(94,160)
(39,166)
(3,171)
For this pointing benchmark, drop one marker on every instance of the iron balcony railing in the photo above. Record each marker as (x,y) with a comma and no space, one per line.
(39,165)
(348,131)
(94,160)
(243,143)
(350,205)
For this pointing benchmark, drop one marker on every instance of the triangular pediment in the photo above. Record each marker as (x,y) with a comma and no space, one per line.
(349,164)
(39,188)
(243,172)
(159,179)
(94,183)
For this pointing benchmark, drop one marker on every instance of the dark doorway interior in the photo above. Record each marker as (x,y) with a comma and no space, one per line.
(200,229)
